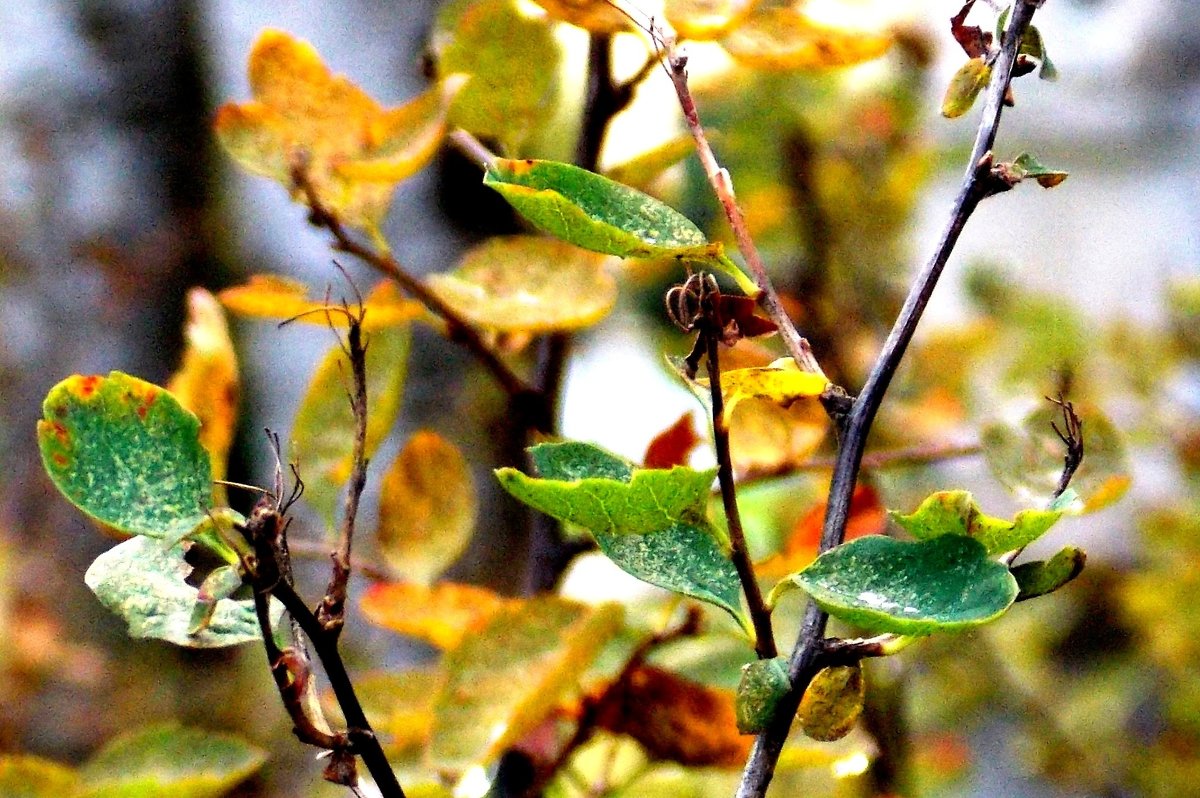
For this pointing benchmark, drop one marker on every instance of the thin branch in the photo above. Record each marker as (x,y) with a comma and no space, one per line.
(471,147)
(319,550)
(332,610)
(760,616)
(975,186)
(797,346)
(262,530)
(908,456)
(458,328)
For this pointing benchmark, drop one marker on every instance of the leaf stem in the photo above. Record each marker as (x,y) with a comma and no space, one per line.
(975,186)
(722,185)
(458,328)
(760,616)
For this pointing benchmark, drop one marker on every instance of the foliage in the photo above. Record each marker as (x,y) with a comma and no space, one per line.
(540,676)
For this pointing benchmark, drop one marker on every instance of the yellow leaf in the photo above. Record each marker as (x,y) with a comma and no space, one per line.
(267,296)
(833,702)
(965,86)
(529,284)
(426,507)
(207,380)
(764,437)
(786,39)
(513,62)
(441,615)
(355,150)
(781,382)
(706,19)
(597,16)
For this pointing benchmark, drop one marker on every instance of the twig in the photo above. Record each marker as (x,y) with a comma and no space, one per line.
(332,610)
(760,616)
(676,64)
(1071,435)
(471,147)
(975,186)
(318,550)
(458,328)
(262,530)
(920,454)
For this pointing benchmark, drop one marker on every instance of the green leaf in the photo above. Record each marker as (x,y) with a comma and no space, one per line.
(323,430)
(127,454)
(964,87)
(24,776)
(513,63)
(502,682)
(833,702)
(1032,44)
(650,522)
(1026,165)
(1045,576)
(143,581)
(529,284)
(595,213)
(1026,455)
(954,512)
(883,585)
(764,682)
(169,761)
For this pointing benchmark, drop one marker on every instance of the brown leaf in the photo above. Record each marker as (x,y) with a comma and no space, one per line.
(674,718)
(674,445)
(972,38)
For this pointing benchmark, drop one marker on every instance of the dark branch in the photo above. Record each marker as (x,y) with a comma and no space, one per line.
(760,616)
(809,645)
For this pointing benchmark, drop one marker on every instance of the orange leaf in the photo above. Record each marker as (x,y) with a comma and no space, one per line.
(354,149)
(867,517)
(674,718)
(267,296)
(207,380)
(426,507)
(596,16)
(672,446)
(441,615)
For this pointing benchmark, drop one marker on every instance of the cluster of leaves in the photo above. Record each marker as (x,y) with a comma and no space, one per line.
(554,679)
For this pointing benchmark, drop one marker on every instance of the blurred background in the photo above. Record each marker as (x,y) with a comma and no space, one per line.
(114,200)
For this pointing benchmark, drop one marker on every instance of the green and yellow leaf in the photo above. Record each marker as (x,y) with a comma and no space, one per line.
(954,512)
(127,454)
(529,284)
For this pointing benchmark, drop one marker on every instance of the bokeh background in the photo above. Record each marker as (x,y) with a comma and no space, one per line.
(114,200)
